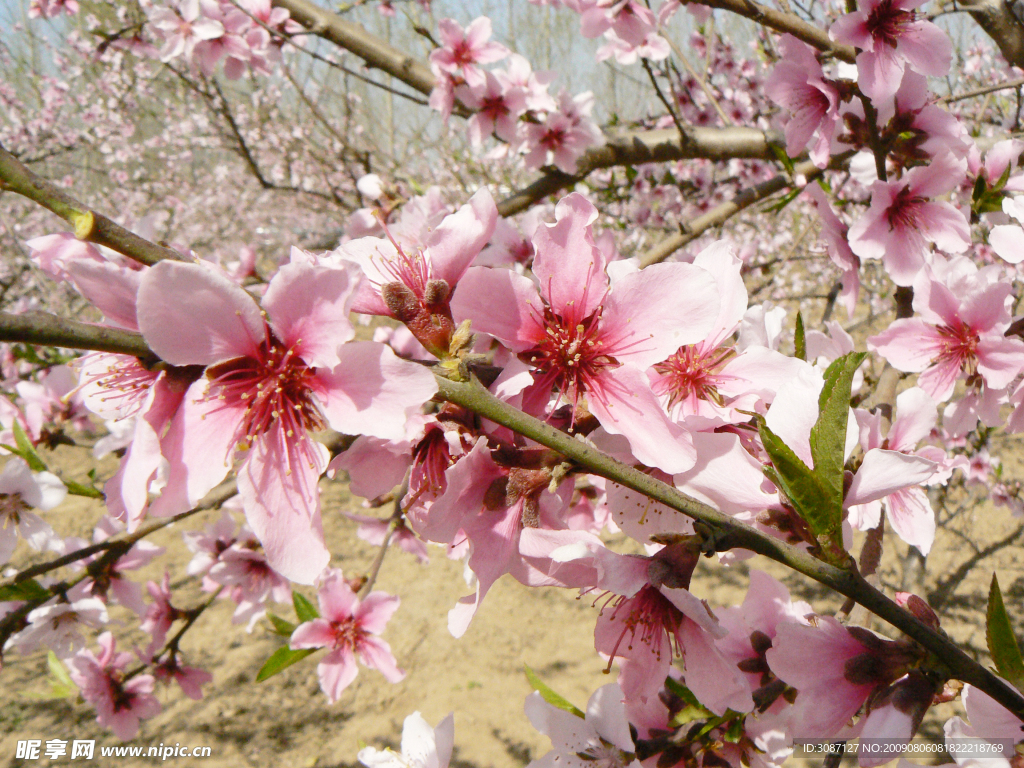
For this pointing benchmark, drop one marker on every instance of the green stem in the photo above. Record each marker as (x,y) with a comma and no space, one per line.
(89,225)
(726,532)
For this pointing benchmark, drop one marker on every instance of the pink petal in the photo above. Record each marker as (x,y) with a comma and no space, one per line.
(373,392)
(278,487)
(625,405)
(317,633)
(308,308)
(501,303)
(461,236)
(336,672)
(110,288)
(910,515)
(376,653)
(884,472)
(194,316)
(376,610)
(568,265)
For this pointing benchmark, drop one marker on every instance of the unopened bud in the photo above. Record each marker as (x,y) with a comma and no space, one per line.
(400,301)
(436,292)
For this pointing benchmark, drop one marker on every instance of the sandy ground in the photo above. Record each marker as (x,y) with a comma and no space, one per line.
(286,721)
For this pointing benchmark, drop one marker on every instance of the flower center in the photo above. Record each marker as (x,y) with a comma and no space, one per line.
(11,507)
(274,387)
(652,615)
(905,211)
(347,633)
(572,355)
(690,375)
(887,23)
(959,345)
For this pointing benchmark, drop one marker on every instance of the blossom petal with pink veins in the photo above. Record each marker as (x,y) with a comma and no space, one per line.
(1000,359)
(984,310)
(198,448)
(376,610)
(501,303)
(928,49)
(373,468)
(372,391)
(625,405)
(336,599)
(940,380)
(880,72)
(568,265)
(644,321)
(911,517)
(760,370)
(884,472)
(641,517)
(317,633)
(336,671)
(308,309)
(110,288)
(375,652)
(191,315)
(278,487)
(725,476)
(606,711)
(717,683)
(461,236)
(909,345)
(947,227)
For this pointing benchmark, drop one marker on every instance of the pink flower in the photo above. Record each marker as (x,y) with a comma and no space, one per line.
(120,704)
(798,84)
(903,219)
(891,40)
(497,107)
(415,284)
(963,315)
(268,384)
(461,51)
(20,490)
(348,627)
(589,337)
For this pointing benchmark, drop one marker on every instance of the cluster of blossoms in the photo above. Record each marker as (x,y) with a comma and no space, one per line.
(669,368)
(512,103)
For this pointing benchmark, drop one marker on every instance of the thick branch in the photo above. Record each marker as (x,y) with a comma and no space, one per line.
(784,22)
(89,225)
(50,330)
(999,23)
(657,146)
(353,37)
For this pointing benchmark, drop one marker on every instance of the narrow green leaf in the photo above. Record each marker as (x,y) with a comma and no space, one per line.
(800,339)
(280,659)
(25,590)
(693,710)
(26,450)
(57,670)
(809,496)
(782,156)
(77,489)
(304,609)
(281,627)
(828,435)
(549,695)
(1001,642)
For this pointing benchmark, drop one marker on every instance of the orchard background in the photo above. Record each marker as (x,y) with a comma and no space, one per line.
(398,200)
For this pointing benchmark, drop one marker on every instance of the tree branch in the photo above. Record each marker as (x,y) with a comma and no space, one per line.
(725,532)
(787,23)
(89,225)
(657,146)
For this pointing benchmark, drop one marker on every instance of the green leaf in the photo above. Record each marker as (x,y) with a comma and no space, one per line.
(26,450)
(304,609)
(812,500)
(784,158)
(549,695)
(281,659)
(785,200)
(57,670)
(281,627)
(24,590)
(828,435)
(77,489)
(61,685)
(1001,642)
(800,339)
(693,710)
